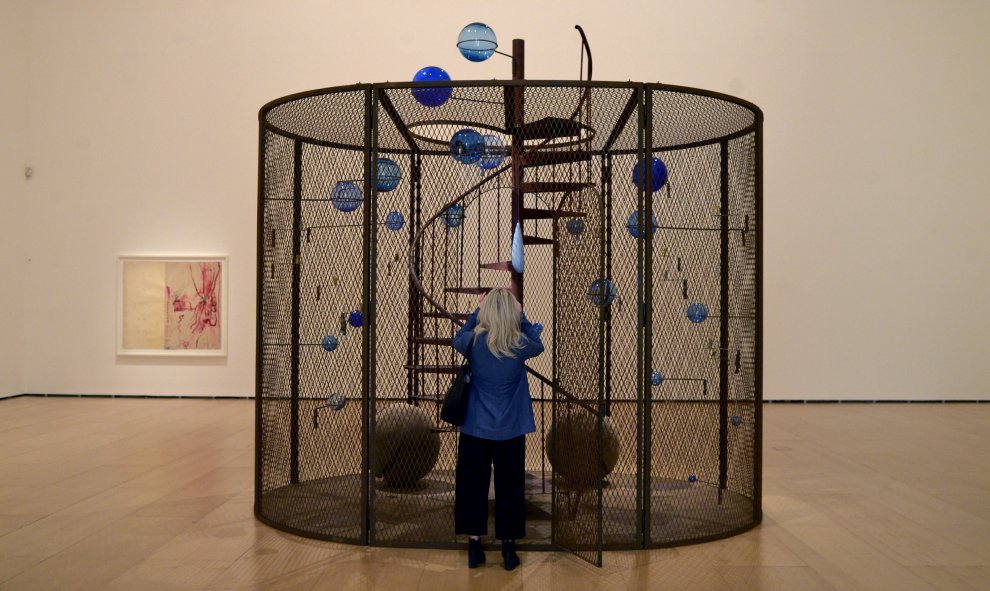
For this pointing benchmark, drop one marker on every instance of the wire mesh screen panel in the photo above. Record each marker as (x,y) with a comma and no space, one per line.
(383,218)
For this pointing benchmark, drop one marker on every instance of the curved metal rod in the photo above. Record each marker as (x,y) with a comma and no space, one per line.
(587,48)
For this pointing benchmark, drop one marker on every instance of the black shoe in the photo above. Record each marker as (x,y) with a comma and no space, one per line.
(476,556)
(509,556)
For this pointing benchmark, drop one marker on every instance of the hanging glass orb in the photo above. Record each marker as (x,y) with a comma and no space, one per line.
(494,153)
(656,378)
(394,221)
(355,319)
(736,420)
(659,175)
(602,292)
(389,175)
(467,146)
(575,226)
(336,401)
(346,196)
(454,216)
(477,42)
(432,97)
(697,313)
(635,226)
(692,478)
(330,342)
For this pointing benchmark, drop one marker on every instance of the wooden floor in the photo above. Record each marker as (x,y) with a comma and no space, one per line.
(156,494)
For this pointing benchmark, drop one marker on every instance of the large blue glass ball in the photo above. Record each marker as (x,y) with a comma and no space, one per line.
(467,146)
(575,226)
(494,153)
(635,226)
(697,313)
(389,175)
(394,221)
(454,216)
(659,175)
(355,319)
(656,378)
(330,342)
(432,97)
(477,42)
(346,196)
(602,292)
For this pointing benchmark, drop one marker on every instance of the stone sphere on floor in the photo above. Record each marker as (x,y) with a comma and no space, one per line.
(574,435)
(406,447)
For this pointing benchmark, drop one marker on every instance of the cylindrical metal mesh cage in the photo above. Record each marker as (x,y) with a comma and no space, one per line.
(376,234)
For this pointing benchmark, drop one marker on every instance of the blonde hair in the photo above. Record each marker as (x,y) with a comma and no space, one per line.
(500,318)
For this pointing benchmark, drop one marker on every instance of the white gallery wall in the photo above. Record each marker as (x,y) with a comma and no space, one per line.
(141,125)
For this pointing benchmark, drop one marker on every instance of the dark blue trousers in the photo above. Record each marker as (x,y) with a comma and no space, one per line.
(475,458)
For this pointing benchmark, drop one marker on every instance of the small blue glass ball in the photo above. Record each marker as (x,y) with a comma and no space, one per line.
(477,42)
(697,313)
(635,226)
(336,401)
(389,175)
(494,153)
(692,478)
(355,319)
(454,216)
(330,342)
(656,378)
(659,175)
(346,196)
(394,221)
(575,226)
(602,292)
(736,420)
(467,146)
(432,97)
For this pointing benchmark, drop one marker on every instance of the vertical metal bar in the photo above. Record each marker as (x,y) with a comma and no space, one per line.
(604,310)
(645,196)
(758,345)
(607,194)
(259,353)
(297,151)
(518,118)
(411,311)
(368,302)
(723,320)
(554,373)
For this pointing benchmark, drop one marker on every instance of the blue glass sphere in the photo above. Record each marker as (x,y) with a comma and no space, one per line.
(697,313)
(346,196)
(336,401)
(575,226)
(355,319)
(389,175)
(432,97)
(736,420)
(477,42)
(602,292)
(330,342)
(692,478)
(454,216)
(635,226)
(656,378)
(494,153)
(659,175)
(467,146)
(394,221)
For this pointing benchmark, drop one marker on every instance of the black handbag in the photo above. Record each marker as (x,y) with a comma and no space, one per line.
(455,401)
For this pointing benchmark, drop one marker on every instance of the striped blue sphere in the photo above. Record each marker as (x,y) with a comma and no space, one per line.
(602,292)
(330,343)
(697,313)
(454,216)
(394,221)
(656,378)
(659,175)
(336,401)
(355,319)
(736,420)
(575,226)
(477,42)
(432,97)
(346,196)
(467,146)
(389,175)
(494,153)
(636,226)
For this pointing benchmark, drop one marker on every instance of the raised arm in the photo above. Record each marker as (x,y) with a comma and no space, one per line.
(532,345)
(462,340)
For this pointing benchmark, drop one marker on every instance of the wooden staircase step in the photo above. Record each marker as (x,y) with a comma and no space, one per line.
(500,266)
(536,240)
(553,187)
(457,315)
(432,341)
(433,368)
(529,213)
(538,158)
(548,128)
(468,290)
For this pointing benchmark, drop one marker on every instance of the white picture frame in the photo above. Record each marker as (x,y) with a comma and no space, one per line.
(172,305)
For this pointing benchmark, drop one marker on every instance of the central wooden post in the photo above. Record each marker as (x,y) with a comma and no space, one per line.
(517,120)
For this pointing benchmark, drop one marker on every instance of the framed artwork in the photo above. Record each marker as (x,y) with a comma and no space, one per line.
(172,305)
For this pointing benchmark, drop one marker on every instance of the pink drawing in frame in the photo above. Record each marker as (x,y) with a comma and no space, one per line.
(192,305)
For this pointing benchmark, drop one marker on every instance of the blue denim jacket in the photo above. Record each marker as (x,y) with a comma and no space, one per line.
(499,406)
